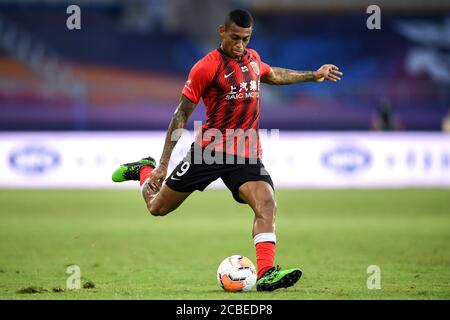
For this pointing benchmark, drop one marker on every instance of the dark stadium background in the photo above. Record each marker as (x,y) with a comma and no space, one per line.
(131,58)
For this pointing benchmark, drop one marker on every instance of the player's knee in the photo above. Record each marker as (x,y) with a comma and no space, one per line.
(154,211)
(267,206)
(157,209)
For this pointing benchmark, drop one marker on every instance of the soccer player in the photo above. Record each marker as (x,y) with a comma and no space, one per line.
(227,146)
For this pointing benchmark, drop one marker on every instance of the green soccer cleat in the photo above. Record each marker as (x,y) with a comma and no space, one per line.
(276,278)
(130,171)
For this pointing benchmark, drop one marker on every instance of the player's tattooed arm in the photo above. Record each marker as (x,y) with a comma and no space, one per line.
(282,76)
(179,118)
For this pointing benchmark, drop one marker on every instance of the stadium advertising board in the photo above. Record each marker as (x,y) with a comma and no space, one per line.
(294,159)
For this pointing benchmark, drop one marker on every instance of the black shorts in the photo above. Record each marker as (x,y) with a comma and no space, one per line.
(196,172)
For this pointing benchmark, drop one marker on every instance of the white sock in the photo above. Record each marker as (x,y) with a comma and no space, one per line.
(265,237)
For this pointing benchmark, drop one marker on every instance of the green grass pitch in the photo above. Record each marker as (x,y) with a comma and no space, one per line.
(333,235)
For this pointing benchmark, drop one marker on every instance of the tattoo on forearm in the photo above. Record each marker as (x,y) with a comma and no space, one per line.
(178,121)
(175,129)
(288,76)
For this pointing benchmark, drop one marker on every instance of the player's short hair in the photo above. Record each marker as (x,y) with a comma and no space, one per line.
(242,18)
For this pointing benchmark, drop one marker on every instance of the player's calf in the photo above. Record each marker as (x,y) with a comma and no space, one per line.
(164,201)
(154,205)
(158,202)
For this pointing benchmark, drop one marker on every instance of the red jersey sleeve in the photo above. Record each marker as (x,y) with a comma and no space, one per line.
(200,76)
(265,68)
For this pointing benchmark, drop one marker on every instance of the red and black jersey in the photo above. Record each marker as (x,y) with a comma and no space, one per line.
(230,91)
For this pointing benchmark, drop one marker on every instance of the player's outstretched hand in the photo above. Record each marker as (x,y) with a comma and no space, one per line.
(156,177)
(328,72)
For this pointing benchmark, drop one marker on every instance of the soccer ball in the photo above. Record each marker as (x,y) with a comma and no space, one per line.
(236,273)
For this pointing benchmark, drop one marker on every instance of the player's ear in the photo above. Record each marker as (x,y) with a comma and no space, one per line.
(221,30)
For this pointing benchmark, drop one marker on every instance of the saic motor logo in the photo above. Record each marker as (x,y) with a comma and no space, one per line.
(346,159)
(34,159)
